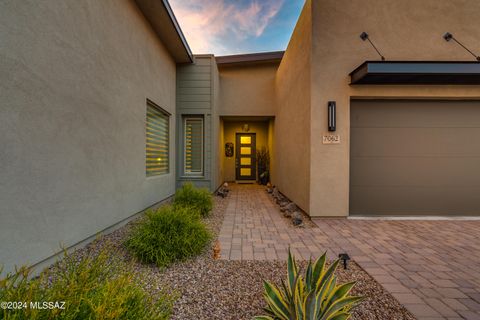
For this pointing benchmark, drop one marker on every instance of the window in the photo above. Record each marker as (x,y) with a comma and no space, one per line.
(193,157)
(158,138)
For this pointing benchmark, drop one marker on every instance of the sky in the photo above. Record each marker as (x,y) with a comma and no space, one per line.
(225,27)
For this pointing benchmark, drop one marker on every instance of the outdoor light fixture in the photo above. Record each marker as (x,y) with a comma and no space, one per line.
(448,36)
(344,257)
(364,36)
(332,116)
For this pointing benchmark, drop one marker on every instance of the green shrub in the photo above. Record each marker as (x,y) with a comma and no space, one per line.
(315,296)
(92,288)
(198,199)
(168,235)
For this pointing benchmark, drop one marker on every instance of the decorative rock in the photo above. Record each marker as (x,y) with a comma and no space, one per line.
(283,205)
(223,190)
(290,207)
(287,214)
(269,187)
(275,193)
(297,218)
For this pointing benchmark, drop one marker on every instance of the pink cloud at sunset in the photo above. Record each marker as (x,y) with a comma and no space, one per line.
(226,26)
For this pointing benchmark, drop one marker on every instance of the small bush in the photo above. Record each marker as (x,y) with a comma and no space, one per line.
(168,235)
(198,199)
(92,288)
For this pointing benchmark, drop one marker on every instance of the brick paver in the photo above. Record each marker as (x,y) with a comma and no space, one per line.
(431,267)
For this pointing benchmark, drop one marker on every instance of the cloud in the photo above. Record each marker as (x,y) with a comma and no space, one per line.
(218,26)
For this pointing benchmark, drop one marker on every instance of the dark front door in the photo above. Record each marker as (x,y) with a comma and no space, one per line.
(245,157)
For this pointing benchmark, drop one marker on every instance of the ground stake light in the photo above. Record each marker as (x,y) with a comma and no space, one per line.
(344,257)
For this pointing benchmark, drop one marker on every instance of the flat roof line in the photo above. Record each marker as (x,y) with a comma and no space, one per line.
(178,29)
(272,56)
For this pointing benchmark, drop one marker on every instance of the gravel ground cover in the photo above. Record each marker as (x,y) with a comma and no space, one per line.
(221,289)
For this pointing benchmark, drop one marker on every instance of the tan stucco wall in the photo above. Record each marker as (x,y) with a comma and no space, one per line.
(230,131)
(247,90)
(74,79)
(402,30)
(271,148)
(292,118)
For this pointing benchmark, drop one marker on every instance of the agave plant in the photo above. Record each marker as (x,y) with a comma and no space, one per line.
(316,296)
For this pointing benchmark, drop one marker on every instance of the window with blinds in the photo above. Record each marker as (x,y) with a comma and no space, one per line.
(193,158)
(157,136)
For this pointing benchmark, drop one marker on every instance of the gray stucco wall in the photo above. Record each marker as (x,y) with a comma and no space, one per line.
(74,78)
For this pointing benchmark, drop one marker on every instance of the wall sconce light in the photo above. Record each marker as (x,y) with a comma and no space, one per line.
(448,37)
(246,128)
(332,116)
(344,257)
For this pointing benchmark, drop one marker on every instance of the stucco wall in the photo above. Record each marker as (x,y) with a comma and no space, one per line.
(74,78)
(402,30)
(247,90)
(292,119)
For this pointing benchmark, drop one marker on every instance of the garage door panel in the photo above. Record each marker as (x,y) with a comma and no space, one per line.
(415,113)
(415,142)
(398,201)
(415,157)
(414,171)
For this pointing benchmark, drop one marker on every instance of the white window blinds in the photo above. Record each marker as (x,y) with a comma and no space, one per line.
(193,145)
(157,135)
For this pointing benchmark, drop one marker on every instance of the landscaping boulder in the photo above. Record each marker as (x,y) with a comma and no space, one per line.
(223,190)
(281,199)
(297,218)
(283,205)
(275,193)
(290,207)
(287,214)
(269,187)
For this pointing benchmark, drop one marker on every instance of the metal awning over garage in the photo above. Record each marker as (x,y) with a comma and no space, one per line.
(417,72)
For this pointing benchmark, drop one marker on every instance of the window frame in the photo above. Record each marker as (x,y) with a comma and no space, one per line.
(200,173)
(156,107)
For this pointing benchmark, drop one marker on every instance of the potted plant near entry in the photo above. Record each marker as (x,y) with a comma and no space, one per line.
(263,161)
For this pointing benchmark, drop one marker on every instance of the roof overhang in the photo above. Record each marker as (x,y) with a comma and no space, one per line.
(417,72)
(250,59)
(160,16)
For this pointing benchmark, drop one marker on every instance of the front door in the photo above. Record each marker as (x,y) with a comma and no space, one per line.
(245,157)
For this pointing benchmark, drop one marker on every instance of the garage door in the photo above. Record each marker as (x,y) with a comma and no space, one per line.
(415,158)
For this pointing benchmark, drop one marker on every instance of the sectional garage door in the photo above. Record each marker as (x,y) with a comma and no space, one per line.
(415,158)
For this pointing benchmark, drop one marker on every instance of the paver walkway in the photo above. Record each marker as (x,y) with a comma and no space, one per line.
(431,267)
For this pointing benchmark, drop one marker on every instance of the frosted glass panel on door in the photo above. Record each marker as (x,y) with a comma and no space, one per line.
(245,140)
(245,150)
(245,161)
(246,172)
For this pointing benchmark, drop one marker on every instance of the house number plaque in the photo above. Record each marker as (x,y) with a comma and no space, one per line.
(331,139)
